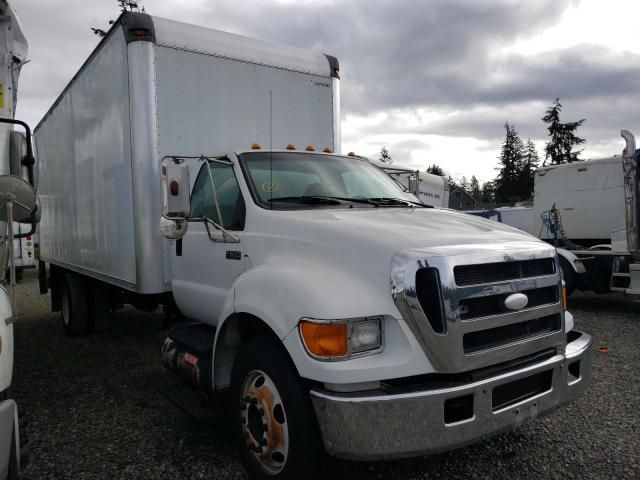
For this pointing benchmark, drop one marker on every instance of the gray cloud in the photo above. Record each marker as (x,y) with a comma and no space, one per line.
(439,55)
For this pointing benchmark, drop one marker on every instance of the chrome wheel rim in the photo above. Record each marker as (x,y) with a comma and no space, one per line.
(264,422)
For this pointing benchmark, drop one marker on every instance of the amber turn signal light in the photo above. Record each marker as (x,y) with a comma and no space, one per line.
(324,339)
(564,298)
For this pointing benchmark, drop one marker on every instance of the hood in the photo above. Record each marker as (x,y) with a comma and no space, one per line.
(392,229)
(344,256)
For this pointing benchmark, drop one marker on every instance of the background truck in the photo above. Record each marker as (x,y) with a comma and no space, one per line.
(582,208)
(195,169)
(430,189)
(17,200)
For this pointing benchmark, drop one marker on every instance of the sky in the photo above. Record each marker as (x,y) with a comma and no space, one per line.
(432,80)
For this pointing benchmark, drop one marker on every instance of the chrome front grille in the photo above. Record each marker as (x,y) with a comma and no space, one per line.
(478,274)
(453,300)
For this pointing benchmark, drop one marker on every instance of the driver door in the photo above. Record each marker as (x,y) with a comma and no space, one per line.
(205,270)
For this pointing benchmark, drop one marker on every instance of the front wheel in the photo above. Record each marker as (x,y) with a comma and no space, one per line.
(276,427)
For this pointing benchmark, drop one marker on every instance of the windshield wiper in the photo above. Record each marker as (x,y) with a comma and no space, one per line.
(307,199)
(397,201)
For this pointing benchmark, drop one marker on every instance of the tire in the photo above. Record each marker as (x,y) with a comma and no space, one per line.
(74,306)
(569,276)
(263,375)
(100,308)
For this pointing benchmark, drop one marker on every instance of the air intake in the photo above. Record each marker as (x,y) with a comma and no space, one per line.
(429,292)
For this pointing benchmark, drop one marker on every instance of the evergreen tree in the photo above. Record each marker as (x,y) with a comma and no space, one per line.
(435,170)
(488,192)
(464,184)
(384,155)
(474,188)
(511,160)
(563,136)
(530,162)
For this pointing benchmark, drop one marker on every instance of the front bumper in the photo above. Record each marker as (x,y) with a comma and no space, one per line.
(378,425)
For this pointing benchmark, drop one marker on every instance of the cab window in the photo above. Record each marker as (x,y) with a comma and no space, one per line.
(230,201)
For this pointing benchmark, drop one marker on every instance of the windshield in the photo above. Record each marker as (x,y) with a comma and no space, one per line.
(283,180)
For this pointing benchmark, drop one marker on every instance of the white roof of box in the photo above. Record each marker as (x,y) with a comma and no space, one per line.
(170,33)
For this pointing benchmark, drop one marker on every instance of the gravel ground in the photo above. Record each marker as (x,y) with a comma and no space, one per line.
(94,411)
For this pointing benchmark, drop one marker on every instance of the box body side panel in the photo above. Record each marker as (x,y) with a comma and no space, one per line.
(210,105)
(84,152)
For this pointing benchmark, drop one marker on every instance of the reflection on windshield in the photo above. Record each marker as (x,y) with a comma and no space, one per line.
(292,176)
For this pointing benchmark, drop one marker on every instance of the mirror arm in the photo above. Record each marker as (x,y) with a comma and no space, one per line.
(28,161)
(228,236)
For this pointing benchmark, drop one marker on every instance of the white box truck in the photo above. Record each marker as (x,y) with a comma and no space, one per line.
(193,168)
(430,189)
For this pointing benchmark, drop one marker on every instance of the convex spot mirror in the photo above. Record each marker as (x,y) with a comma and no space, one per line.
(173,229)
(21,195)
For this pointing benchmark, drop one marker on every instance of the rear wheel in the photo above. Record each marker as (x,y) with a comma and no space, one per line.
(74,306)
(275,425)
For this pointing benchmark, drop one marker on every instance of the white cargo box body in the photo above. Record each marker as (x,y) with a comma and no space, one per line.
(589,196)
(152,88)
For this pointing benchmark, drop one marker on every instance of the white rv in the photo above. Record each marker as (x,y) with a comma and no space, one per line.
(336,312)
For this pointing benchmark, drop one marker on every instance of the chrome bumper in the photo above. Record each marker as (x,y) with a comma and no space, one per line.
(381,426)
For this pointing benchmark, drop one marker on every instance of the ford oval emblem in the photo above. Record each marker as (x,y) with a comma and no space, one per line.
(516,301)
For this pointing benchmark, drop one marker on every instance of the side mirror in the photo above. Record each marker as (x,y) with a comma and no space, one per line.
(176,189)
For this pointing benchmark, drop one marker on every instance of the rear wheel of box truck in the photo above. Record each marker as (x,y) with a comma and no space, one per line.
(275,425)
(74,305)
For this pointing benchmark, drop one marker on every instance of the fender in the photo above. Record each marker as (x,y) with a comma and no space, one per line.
(573,260)
(279,292)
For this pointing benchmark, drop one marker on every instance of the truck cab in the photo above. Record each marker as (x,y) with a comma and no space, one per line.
(401,329)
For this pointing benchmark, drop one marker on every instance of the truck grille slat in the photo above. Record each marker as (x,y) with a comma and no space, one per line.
(479,274)
(494,304)
(495,337)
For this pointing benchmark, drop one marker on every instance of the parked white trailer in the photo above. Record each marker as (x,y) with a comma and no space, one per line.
(430,189)
(589,197)
(328,304)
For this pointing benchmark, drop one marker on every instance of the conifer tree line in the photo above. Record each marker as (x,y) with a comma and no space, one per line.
(519,159)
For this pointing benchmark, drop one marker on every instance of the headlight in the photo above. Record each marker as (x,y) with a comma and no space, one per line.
(341,339)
